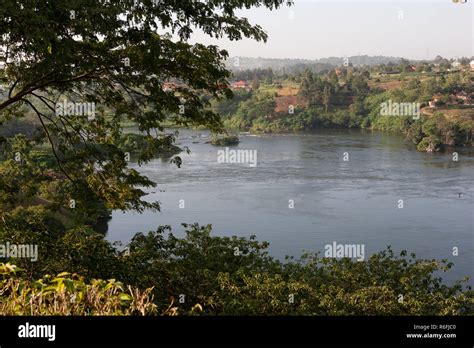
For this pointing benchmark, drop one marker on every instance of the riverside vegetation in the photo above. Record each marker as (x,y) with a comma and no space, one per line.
(202,274)
(351,97)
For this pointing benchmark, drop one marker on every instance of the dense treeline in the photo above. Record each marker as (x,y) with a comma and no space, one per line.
(352,97)
(218,275)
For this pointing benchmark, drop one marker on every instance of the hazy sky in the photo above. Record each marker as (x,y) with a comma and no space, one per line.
(310,29)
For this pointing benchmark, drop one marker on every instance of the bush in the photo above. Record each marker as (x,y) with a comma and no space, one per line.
(68,294)
(429,144)
(214,275)
(225,141)
(236,276)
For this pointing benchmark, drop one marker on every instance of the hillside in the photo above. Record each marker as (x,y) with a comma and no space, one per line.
(249,63)
(434,104)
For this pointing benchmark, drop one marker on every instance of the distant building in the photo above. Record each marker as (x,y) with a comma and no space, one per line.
(472,64)
(240,85)
(463,96)
(435,100)
(169,86)
(456,64)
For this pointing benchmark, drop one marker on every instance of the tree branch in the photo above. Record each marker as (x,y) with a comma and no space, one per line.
(40,117)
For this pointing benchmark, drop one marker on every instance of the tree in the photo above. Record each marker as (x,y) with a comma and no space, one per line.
(255,83)
(327,97)
(118,59)
(332,78)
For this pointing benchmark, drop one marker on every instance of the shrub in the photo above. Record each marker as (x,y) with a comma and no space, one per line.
(68,294)
(225,141)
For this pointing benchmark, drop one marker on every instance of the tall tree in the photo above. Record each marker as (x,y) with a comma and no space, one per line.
(120,59)
(326,97)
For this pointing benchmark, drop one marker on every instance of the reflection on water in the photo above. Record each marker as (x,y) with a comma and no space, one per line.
(353,201)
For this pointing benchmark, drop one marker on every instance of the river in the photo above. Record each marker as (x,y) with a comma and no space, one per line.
(352,201)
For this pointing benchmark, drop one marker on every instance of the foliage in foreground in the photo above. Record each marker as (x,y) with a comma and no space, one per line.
(68,294)
(117,58)
(212,275)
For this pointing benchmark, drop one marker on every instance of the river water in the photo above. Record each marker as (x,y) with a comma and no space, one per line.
(357,201)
